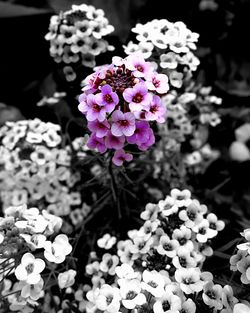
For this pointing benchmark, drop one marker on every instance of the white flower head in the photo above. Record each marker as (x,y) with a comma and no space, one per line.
(66,279)
(29,269)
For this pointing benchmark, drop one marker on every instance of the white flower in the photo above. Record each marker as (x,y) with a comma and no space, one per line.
(126,271)
(214,224)
(141,245)
(66,279)
(168,303)
(183,236)
(34,291)
(203,231)
(56,252)
(183,259)
(109,263)
(228,298)
(30,268)
(182,198)
(168,60)
(189,279)
(106,242)
(167,246)
(191,216)
(168,206)
(35,241)
(212,295)
(150,213)
(108,299)
(131,294)
(153,282)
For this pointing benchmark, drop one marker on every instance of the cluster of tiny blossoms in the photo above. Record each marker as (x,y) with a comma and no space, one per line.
(158,269)
(76,37)
(28,254)
(186,133)
(169,46)
(241,260)
(119,101)
(36,169)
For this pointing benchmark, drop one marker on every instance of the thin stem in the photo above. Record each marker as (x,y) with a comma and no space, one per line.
(114,189)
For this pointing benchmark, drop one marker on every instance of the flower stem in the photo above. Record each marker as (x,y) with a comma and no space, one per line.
(114,190)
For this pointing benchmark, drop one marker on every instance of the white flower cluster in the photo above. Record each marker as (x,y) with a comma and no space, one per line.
(186,131)
(241,260)
(25,233)
(36,169)
(76,37)
(158,269)
(169,46)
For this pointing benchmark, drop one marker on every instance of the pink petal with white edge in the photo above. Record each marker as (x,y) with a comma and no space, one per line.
(115,130)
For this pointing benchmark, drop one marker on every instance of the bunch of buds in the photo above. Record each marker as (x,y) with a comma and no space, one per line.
(169,46)
(36,169)
(76,37)
(159,268)
(120,101)
(29,252)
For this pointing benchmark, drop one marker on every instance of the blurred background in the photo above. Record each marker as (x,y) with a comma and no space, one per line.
(222,25)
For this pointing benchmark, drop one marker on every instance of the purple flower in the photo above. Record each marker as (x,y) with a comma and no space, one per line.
(113,142)
(141,134)
(107,98)
(138,65)
(93,81)
(137,97)
(96,143)
(151,140)
(94,110)
(156,111)
(123,123)
(120,156)
(157,82)
(99,128)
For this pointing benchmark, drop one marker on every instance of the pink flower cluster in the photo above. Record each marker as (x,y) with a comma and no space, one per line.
(120,101)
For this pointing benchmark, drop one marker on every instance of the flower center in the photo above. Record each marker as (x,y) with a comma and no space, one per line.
(191,215)
(165,305)
(131,295)
(212,226)
(156,83)
(137,98)
(123,123)
(211,294)
(202,231)
(153,109)
(29,268)
(187,281)
(152,284)
(182,241)
(183,262)
(108,98)
(110,263)
(109,299)
(96,107)
(167,247)
(139,68)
